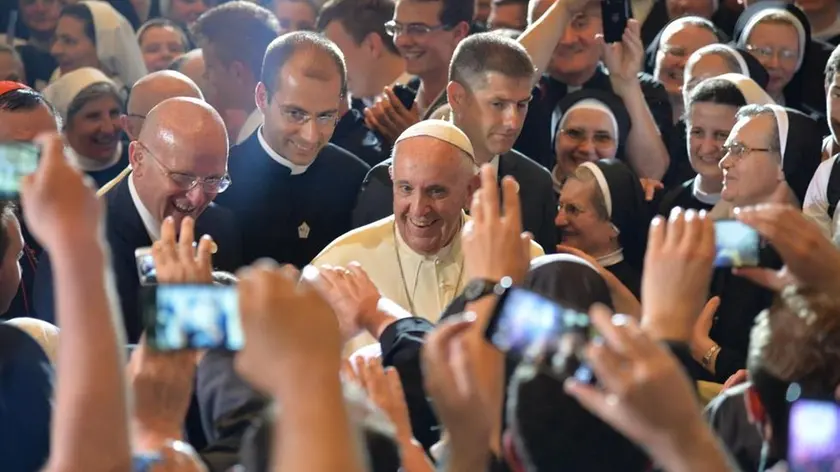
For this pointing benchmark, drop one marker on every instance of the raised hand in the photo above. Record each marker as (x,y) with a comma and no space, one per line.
(677,273)
(624,59)
(389,117)
(493,242)
(350,293)
(59,202)
(177,261)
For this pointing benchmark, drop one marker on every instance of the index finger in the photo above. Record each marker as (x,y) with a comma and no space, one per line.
(186,253)
(489,196)
(510,200)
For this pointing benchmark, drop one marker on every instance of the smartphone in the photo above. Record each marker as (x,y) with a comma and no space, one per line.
(614,14)
(17,159)
(405,94)
(736,244)
(814,436)
(145,266)
(191,317)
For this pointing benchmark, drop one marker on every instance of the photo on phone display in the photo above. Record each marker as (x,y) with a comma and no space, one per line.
(145,266)
(736,244)
(192,317)
(17,159)
(814,436)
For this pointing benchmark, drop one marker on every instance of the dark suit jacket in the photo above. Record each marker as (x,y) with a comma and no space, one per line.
(125,233)
(539,204)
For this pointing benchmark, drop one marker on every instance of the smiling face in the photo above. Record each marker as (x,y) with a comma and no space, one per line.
(94,130)
(580,221)
(71,47)
(432,186)
(674,52)
(587,135)
(492,115)
(708,125)
(160,45)
(577,54)
(40,16)
(776,46)
(430,52)
(301,110)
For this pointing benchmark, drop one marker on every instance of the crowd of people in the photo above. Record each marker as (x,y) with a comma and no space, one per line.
(376,184)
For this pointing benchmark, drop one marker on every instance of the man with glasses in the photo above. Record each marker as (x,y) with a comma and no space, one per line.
(149,91)
(294,191)
(179,165)
(426,33)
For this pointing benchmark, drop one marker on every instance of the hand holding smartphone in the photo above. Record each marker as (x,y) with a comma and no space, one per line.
(614,15)
(17,159)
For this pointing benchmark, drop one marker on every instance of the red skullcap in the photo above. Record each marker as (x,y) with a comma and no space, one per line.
(8,86)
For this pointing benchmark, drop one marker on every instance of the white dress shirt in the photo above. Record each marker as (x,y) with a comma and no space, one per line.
(149,221)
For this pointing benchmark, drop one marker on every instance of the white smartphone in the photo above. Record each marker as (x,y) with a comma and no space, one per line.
(145,266)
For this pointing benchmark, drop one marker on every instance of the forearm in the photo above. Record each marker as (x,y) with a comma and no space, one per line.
(646,153)
(90,426)
(491,371)
(543,35)
(387,312)
(315,432)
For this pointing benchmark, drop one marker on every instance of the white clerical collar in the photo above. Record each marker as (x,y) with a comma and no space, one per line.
(149,221)
(296,169)
(612,258)
(701,196)
(87,164)
(495,164)
(448,253)
(254,120)
(556,179)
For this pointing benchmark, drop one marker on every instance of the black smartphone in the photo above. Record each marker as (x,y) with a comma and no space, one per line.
(17,159)
(179,317)
(814,436)
(614,15)
(736,244)
(406,95)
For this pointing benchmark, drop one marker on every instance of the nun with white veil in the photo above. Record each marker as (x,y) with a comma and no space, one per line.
(94,34)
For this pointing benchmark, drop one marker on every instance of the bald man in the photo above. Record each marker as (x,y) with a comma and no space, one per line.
(150,91)
(179,165)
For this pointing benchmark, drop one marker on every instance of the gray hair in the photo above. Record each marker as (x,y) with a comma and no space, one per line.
(754,111)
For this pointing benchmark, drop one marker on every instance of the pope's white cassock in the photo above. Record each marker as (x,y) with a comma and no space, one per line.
(424,285)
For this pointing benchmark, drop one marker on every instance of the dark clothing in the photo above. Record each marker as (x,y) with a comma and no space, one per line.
(628,275)
(539,204)
(26,394)
(727,415)
(290,218)
(535,139)
(229,405)
(352,135)
(679,168)
(102,177)
(38,65)
(683,197)
(125,233)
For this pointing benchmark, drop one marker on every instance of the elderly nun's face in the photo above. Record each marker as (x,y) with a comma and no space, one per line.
(581,218)
(674,52)
(776,46)
(94,130)
(707,66)
(708,126)
(587,135)
(71,47)
(751,167)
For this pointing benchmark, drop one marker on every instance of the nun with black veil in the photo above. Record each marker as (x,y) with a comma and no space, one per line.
(602,212)
(752,177)
(779,36)
(707,62)
(710,116)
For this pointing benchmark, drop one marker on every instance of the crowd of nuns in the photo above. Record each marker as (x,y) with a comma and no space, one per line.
(704,61)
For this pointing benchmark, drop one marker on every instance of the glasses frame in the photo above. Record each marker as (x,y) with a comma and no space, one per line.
(224,180)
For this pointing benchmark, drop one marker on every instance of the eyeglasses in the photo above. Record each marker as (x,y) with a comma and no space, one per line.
(412,29)
(134,115)
(738,150)
(768,53)
(187,182)
(571,209)
(299,117)
(599,139)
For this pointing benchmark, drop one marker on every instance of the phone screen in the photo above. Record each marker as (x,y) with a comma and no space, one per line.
(614,14)
(814,436)
(525,323)
(192,317)
(736,244)
(145,266)
(17,159)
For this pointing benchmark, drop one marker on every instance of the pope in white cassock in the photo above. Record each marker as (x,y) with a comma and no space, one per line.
(414,256)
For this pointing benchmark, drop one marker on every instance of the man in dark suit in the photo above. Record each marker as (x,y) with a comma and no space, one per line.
(179,165)
(489,91)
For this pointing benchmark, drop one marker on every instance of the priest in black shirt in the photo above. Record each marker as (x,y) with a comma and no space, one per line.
(294,191)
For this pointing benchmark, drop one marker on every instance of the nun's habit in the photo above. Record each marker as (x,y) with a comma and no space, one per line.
(741,300)
(593,99)
(61,94)
(116,45)
(657,20)
(804,92)
(653,48)
(680,169)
